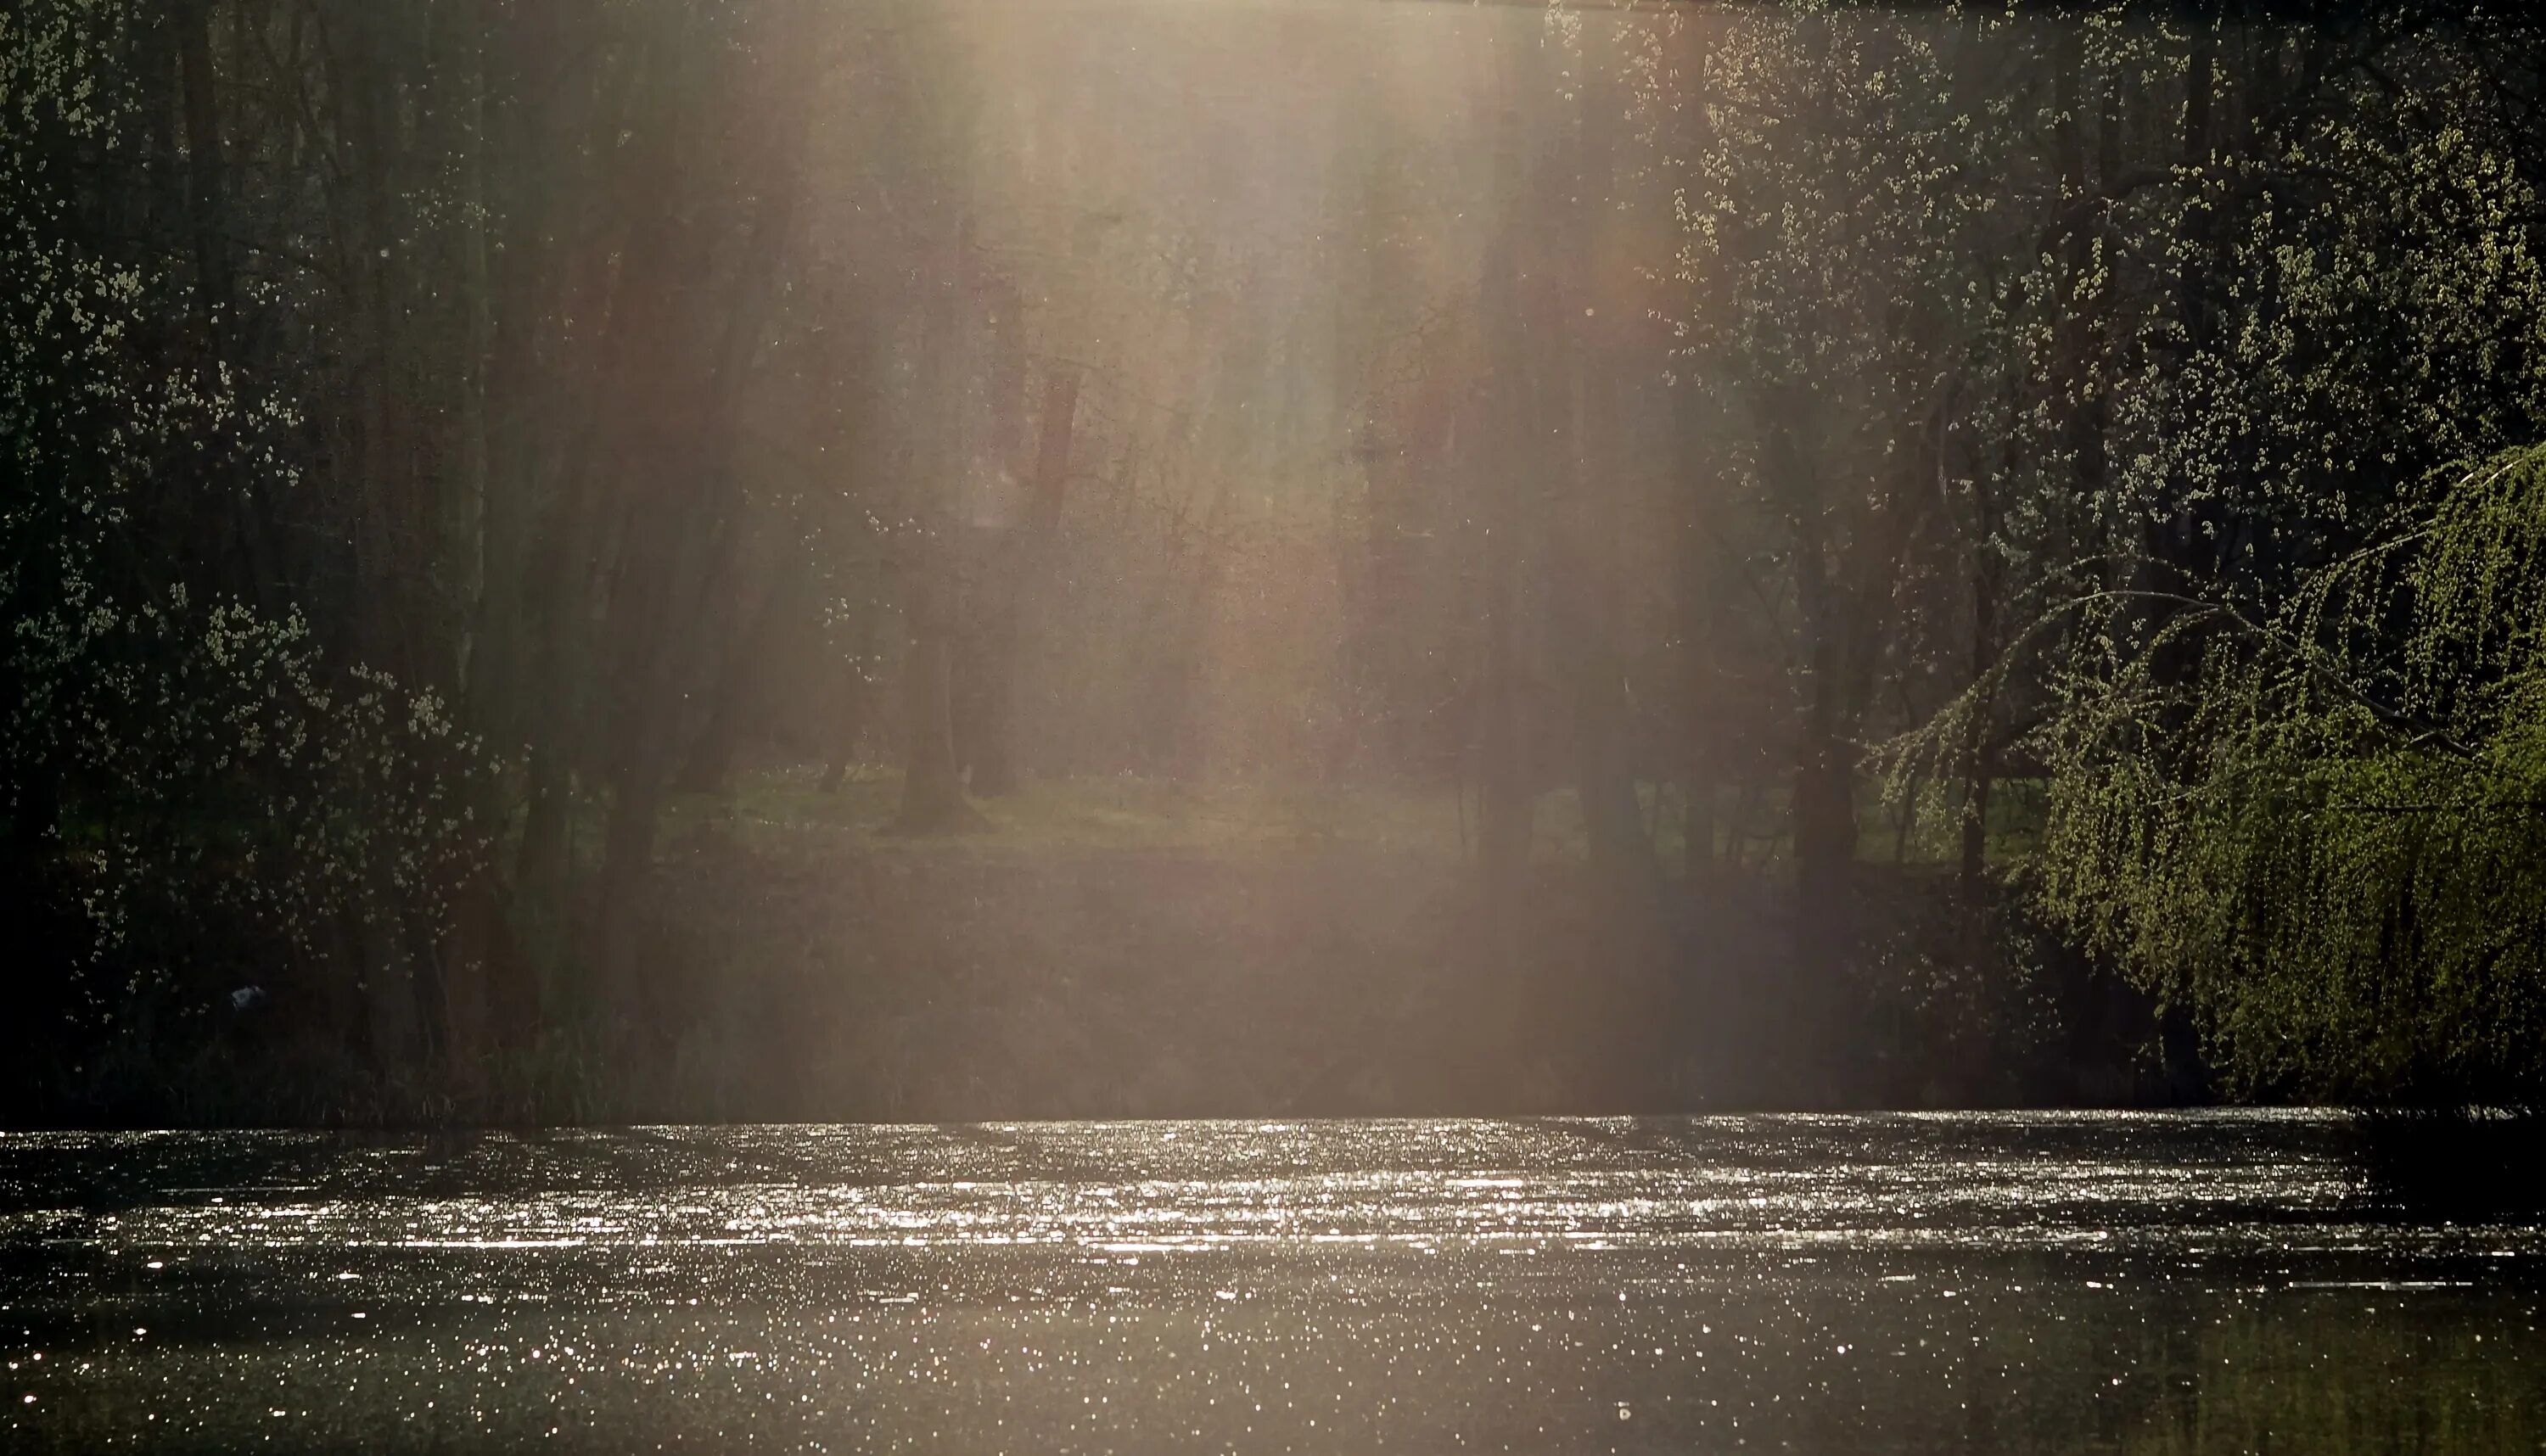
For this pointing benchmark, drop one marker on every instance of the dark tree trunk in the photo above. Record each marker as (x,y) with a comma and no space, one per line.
(855,700)
(1604,780)
(932,785)
(1014,571)
(985,664)
(465,951)
(1822,806)
(1605,771)
(932,793)
(1696,591)
(623,923)
(678,519)
(1504,811)
(1976,775)
(709,762)
(389,531)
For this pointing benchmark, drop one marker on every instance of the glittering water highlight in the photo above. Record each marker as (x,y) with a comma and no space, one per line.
(1909,1283)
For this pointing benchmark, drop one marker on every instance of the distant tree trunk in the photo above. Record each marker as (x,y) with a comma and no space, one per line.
(1696,593)
(710,758)
(678,517)
(362,89)
(1822,806)
(1824,812)
(988,558)
(1605,777)
(855,701)
(462,106)
(386,979)
(985,664)
(622,919)
(466,950)
(508,154)
(1975,746)
(561,340)
(465,974)
(391,543)
(932,793)
(1698,428)
(1604,768)
(639,744)
(932,787)
(1612,816)
(1698,830)
(1013,586)
(522,396)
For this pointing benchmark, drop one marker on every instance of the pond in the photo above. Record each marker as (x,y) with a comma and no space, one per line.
(2140,1282)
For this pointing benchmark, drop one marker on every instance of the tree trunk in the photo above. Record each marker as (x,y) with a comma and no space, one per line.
(623,925)
(1012,579)
(986,666)
(540,862)
(679,518)
(932,793)
(464,953)
(1822,806)
(932,787)
(1975,747)
(463,107)
(1697,603)
(363,87)
(855,701)
(710,758)
(1604,780)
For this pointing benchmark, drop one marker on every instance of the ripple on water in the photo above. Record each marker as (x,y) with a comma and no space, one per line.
(1919,1282)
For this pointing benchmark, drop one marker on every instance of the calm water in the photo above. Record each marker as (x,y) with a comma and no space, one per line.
(1844,1283)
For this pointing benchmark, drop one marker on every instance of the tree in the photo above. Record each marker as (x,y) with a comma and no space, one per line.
(2325,842)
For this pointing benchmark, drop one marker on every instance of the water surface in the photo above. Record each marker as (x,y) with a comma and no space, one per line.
(1894,1283)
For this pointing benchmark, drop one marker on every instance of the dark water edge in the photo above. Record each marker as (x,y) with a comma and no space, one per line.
(2118,1282)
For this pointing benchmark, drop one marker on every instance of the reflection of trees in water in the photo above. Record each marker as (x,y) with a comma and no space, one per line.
(2358,1369)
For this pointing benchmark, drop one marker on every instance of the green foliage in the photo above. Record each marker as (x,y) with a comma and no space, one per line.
(2325,834)
(188,767)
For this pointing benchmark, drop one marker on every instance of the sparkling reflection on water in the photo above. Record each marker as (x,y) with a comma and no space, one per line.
(1912,1283)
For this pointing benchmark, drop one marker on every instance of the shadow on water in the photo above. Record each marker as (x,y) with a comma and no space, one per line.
(2454,1165)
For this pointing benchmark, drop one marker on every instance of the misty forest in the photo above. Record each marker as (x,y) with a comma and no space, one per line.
(596,560)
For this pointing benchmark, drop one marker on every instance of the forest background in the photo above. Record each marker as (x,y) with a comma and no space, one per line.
(616,559)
